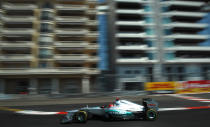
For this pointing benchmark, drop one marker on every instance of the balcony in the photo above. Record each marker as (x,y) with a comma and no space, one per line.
(16,45)
(186,25)
(134,47)
(93,34)
(183,3)
(93,71)
(71,20)
(92,23)
(92,1)
(91,12)
(134,35)
(133,1)
(18,31)
(188,36)
(133,11)
(136,60)
(134,23)
(48,71)
(70,44)
(16,57)
(92,47)
(188,48)
(18,18)
(71,57)
(71,32)
(185,14)
(9,6)
(189,60)
(71,7)
(92,59)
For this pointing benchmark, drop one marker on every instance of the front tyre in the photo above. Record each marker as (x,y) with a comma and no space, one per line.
(151,115)
(81,117)
(64,120)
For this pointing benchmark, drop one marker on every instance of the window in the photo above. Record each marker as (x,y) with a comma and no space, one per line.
(48,5)
(43,64)
(45,53)
(46,27)
(46,15)
(137,72)
(45,40)
(128,72)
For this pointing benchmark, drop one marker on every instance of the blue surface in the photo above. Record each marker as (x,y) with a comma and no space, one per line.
(103,50)
(206,31)
(101,1)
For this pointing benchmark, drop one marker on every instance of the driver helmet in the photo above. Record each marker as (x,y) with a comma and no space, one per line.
(117,101)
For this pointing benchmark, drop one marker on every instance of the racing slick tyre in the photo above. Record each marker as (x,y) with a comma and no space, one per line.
(151,115)
(107,117)
(64,120)
(81,117)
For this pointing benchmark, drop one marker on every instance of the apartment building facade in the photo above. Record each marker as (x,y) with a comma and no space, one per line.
(48,46)
(158,40)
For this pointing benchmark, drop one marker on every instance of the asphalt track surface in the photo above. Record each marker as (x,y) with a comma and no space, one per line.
(176,118)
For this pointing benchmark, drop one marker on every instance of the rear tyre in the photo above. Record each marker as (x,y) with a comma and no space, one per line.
(151,115)
(81,117)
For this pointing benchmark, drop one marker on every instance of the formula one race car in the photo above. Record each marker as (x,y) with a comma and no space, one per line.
(119,110)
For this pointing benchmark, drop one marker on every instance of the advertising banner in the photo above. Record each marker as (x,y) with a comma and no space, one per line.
(166,87)
(193,86)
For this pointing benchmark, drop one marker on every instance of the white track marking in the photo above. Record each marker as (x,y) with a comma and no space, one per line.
(172,109)
(31,112)
(190,98)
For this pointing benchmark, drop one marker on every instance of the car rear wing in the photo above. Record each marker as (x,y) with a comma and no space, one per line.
(149,103)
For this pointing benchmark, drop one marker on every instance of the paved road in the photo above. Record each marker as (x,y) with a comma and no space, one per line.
(182,118)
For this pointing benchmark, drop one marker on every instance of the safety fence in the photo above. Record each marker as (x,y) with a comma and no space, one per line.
(180,87)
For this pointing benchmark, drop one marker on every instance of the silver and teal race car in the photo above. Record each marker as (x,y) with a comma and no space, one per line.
(119,110)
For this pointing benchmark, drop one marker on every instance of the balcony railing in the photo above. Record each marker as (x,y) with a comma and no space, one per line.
(132,11)
(91,12)
(18,18)
(133,23)
(18,31)
(14,45)
(73,32)
(92,46)
(184,3)
(135,60)
(71,20)
(134,35)
(93,34)
(134,47)
(92,23)
(48,71)
(188,48)
(16,57)
(189,60)
(71,7)
(9,6)
(133,1)
(93,59)
(70,44)
(187,36)
(71,57)
(185,14)
(186,25)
